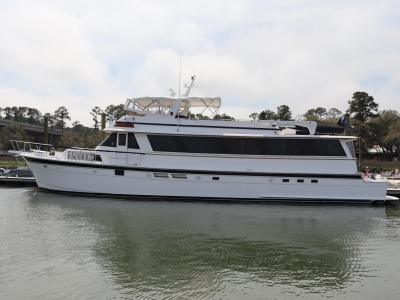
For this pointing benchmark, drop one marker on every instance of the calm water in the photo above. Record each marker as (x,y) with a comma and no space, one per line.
(62,247)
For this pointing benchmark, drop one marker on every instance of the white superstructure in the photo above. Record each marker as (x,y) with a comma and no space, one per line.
(157,150)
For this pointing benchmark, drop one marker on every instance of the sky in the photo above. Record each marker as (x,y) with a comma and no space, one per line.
(255,55)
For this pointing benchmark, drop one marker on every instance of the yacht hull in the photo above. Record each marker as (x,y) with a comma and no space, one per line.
(128,181)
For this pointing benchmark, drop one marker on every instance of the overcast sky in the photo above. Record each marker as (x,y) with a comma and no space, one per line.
(255,55)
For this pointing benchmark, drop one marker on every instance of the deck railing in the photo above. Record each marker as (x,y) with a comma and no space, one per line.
(50,151)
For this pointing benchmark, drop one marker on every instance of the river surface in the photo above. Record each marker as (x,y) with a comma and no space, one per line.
(55,246)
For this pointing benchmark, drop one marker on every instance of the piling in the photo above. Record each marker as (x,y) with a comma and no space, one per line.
(46,130)
(103,125)
(359,154)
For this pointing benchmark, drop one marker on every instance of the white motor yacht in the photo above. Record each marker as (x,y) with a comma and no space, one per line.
(157,150)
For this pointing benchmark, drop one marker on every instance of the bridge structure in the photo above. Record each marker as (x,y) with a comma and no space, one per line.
(35,132)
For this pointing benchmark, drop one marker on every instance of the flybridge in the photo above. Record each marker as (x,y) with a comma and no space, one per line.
(171,108)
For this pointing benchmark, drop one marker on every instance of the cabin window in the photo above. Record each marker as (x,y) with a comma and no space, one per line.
(110,141)
(221,145)
(247,146)
(132,142)
(336,149)
(156,142)
(122,139)
(350,145)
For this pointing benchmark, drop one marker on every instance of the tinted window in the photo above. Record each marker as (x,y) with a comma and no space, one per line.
(156,142)
(110,141)
(292,147)
(132,142)
(275,147)
(263,146)
(249,146)
(122,139)
(188,144)
(305,147)
(336,149)
(322,147)
(253,146)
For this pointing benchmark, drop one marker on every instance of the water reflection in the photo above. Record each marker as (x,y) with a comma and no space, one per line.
(149,249)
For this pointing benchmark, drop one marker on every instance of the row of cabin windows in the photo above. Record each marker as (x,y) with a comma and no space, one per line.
(247,146)
(111,140)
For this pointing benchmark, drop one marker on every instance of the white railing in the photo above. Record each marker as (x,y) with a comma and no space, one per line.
(29,147)
(84,155)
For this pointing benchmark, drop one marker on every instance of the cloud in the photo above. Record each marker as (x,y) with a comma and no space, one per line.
(255,55)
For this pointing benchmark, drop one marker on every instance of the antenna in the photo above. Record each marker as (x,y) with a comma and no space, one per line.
(180,68)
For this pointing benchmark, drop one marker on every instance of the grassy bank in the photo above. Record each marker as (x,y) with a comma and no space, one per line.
(382,166)
(9,162)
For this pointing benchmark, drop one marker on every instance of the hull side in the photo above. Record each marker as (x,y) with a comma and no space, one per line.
(94,179)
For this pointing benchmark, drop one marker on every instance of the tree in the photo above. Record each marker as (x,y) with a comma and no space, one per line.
(379,131)
(223,117)
(12,132)
(80,129)
(19,113)
(117,111)
(315,114)
(1,110)
(333,113)
(34,116)
(96,111)
(202,117)
(267,115)
(362,106)
(254,116)
(8,113)
(284,113)
(60,115)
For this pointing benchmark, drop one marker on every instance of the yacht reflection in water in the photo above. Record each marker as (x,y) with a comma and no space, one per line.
(159,248)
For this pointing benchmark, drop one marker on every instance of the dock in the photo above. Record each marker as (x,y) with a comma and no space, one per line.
(17,181)
(393,192)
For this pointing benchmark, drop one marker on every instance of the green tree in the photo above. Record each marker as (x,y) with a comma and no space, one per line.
(19,113)
(379,131)
(117,111)
(267,115)
(34,116)
(8,113)
(202,117)
(96,111)
(318,113)
(362,106)
(60,116)
(284,113)
(333,113)
(254,116)
(12,132)
(223,117)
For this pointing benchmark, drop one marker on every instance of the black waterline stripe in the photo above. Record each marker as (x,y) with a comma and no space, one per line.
(221,199)
(200,172)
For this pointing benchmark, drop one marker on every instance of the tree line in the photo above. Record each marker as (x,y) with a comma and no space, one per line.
(373,126)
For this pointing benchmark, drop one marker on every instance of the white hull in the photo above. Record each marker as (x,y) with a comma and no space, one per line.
(101,179)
